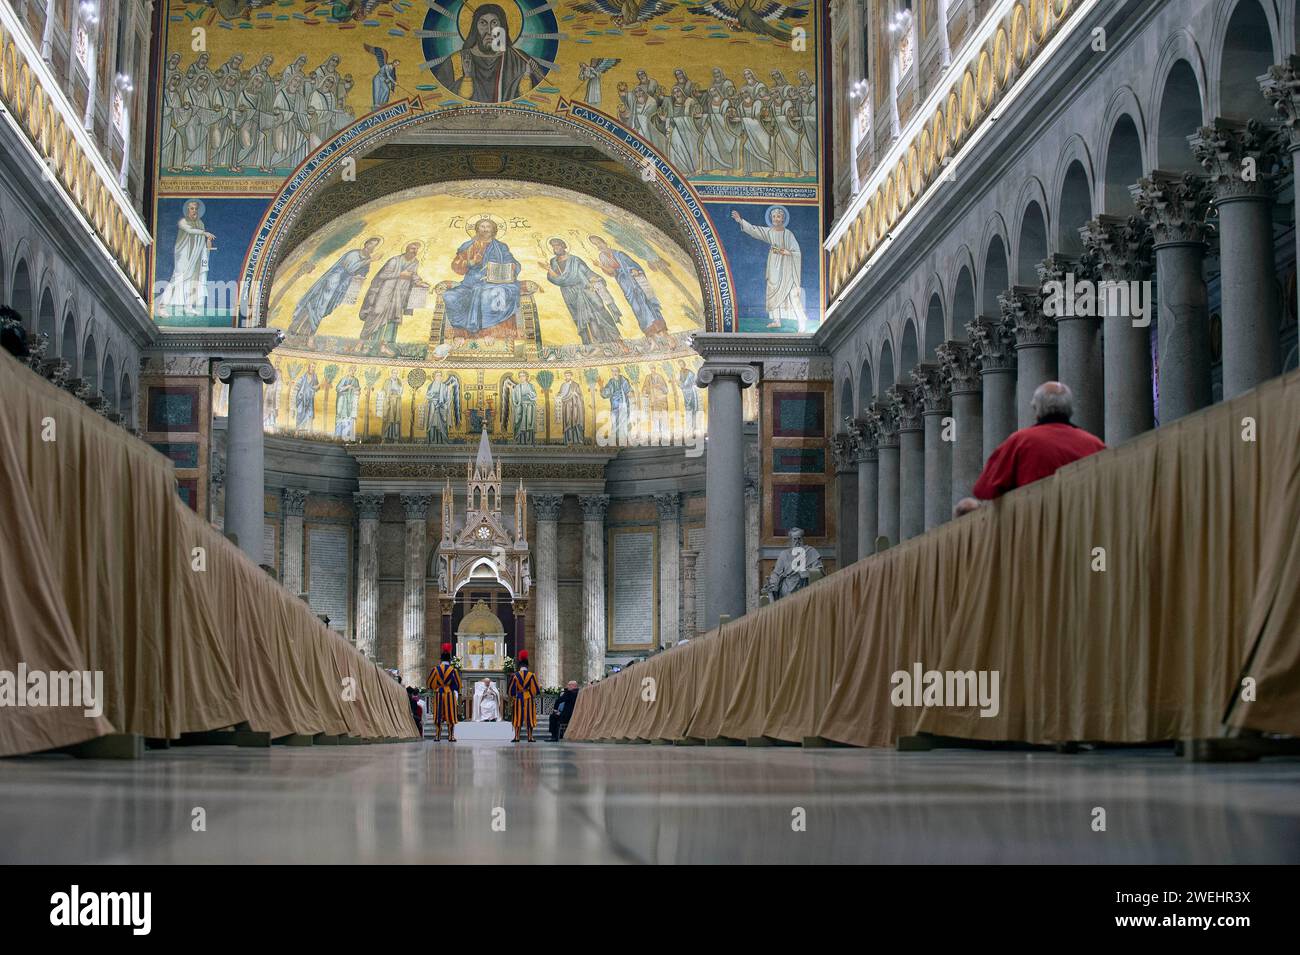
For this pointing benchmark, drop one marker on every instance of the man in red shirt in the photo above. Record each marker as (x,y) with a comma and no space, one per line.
(1036,452)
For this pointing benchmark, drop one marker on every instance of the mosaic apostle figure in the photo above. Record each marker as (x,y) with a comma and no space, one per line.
(388,297)
(631,278)
(580,288)
(328,292)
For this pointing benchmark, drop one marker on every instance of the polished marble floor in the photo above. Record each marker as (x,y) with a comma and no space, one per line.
(546,803)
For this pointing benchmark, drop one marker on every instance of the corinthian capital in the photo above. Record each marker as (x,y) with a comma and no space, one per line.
(1281,87)
(993,341)
(1241,158)
(935,389)
(907,402)
(547,506)
(417,506)
(593,506)
(960,366)
(882,421)
(1120,246)
(1175,205)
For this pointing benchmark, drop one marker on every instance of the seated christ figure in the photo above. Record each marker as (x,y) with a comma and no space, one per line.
(485,303)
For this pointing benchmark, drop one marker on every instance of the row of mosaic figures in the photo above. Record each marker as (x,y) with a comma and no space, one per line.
(634,405)
(751,129)
(233,118)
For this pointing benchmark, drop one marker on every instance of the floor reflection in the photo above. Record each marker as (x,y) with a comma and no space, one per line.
(544,803)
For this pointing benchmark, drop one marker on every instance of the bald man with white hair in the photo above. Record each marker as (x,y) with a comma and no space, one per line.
(1036,452)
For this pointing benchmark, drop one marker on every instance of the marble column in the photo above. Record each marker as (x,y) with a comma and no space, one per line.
(724,482)
(593,584)
(1121,249)
(936,405)
(867,457)
(751,545)
(911,461)
(368,505)
(546,587)
(413,649)
(1175,206)
(1080,363)
(293,502)
(1281,87)
(245,454)
(846,486)
(1035,333)
(689,557)
(1248,276)
(669,506)
(993,342)
(884,417)
(961,371)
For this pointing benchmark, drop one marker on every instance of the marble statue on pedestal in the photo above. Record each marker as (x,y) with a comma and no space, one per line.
(794,567)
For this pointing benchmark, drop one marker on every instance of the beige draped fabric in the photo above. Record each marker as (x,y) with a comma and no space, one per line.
(1124,599)
(97,572)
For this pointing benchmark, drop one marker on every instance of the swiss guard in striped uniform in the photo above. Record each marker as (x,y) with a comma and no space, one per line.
(444,681)
(523,689)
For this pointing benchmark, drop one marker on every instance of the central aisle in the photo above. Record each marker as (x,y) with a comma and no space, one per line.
(434,803)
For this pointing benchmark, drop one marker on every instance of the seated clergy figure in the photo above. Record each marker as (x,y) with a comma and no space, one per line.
(487,702)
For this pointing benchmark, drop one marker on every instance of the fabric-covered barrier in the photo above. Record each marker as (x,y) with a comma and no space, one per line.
(96,575)
(1201,557)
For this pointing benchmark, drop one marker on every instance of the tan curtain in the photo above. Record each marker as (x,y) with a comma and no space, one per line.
(1196,526)
(98,571)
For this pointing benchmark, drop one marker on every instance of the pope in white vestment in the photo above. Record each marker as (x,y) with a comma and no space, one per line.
(784,269)
(487,701)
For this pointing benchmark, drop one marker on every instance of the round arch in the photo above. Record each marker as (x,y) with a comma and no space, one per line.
(1176,112)
(1031,241)
(885,380)
(1123,163)
(963,304)
(68,340)
(1247,45)
(21,297)
(90,362)
(324,167)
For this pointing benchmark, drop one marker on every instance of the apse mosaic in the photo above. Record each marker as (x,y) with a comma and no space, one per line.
(542,314)
(725,91)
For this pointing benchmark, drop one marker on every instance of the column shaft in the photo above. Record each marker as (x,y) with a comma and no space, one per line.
(245,457)
(724,516)
(889,511)
(1035,364)
(413,643)
(368,507)
(998,408)
(670,562)
(1251,353)
(1081,369)
(547,509)
(868,501)
(968,449)
(593,583)
(292,503)
(938,471)
(1183,330)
